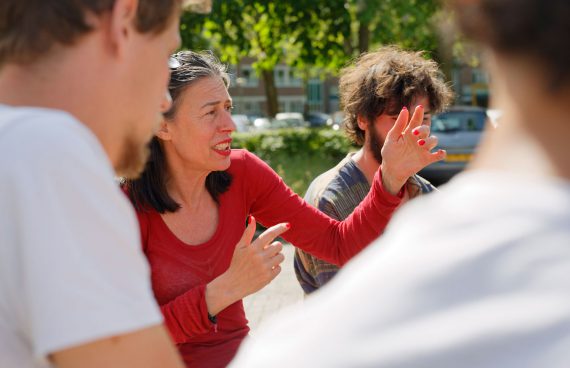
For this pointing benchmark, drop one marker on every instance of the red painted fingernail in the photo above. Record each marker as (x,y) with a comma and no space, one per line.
(421,142)
(404,108)
(251,219)
(287,225)
(421,106)
(416,131)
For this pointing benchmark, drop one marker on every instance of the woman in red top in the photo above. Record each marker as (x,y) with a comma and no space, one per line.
(196,193)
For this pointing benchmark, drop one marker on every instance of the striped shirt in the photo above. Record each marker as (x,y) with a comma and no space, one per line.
(337,193)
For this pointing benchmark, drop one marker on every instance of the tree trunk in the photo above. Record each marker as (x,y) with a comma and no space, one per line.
(306,90)
(443,55)
(363,37)
(270,92)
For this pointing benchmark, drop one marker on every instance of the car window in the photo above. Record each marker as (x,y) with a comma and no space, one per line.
(453,121)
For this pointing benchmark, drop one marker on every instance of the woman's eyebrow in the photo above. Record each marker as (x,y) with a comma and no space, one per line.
(212,103)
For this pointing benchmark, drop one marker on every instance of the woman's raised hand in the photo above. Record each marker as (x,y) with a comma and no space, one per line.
(407,150)
(254,265)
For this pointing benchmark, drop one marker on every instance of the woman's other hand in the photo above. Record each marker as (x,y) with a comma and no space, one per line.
(407,150)
(254,265)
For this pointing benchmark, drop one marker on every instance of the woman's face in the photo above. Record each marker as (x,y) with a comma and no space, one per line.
(200,133)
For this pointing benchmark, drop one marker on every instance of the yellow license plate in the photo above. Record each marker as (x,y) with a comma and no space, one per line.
(455,157)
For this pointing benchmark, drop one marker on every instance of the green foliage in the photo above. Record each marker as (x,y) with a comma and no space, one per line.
(329,33)
(309,33)
(297,155)
(191,26)
(293,142)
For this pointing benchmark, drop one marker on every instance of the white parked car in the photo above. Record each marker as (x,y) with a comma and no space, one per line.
(291,119)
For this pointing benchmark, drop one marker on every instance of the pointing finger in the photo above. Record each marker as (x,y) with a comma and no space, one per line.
(248,233)
(270,234)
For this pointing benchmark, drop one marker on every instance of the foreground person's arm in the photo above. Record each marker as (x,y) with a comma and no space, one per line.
(333,241)
(150,347)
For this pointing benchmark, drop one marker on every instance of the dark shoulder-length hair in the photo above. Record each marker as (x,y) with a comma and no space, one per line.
(149,190)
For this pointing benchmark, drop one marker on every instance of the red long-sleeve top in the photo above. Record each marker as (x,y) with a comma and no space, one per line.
(181,271)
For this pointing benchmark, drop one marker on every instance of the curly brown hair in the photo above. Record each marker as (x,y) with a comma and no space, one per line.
(534,28)
(385,81)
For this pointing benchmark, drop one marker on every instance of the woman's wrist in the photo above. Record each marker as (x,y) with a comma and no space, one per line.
(390,183)
(219,295)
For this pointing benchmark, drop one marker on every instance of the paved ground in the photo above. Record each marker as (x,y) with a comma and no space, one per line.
(281,292)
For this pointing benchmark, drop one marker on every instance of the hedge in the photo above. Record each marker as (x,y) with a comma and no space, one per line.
(297,155)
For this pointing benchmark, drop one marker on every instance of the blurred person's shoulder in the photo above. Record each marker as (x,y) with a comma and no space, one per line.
(486,197)
(32,137)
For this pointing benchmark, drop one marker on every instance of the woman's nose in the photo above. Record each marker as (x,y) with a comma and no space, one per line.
(229,124)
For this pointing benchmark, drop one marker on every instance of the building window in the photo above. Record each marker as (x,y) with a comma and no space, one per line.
(333,99)
(315,95)
(285,77)
(294,81)
(280,77)
(248,77)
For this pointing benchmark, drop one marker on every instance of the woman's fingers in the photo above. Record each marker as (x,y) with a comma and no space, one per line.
(275,271)
(436,156)
(273,248)
(398,129)
(421,132)
(417,119)
(428,143)
(270,234)
(248,233)
(276,260)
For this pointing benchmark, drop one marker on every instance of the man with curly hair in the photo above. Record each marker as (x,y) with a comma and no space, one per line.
(373,91)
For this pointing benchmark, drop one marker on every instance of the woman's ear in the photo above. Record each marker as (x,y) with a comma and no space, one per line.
(163,132)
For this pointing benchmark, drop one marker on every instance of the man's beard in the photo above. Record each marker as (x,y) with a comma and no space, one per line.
(133,159)
(375,144)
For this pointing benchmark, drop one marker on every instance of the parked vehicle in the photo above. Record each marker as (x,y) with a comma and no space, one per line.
(242,122)
(261,124)
(459,131)
(337,120)
(318,119)
(290,120)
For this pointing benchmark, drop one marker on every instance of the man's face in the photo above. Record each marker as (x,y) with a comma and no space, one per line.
(145,94)
(377,132)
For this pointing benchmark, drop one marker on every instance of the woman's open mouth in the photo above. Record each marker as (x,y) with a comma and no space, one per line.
(223,148)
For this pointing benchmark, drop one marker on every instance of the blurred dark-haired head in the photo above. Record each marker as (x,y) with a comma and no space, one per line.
(537,30)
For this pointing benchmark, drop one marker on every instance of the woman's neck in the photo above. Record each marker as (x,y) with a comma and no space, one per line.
(187,186)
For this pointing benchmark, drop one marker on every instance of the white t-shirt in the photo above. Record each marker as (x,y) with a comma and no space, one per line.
(71,266)
(477,275)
